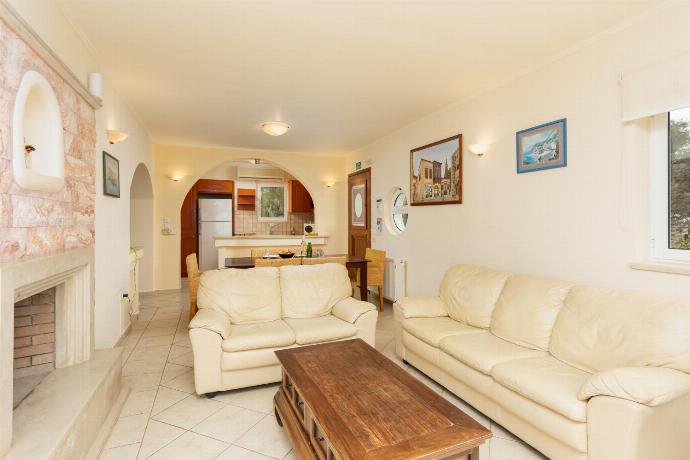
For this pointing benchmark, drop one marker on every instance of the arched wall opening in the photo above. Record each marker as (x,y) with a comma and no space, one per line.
(141,213)
(304,209)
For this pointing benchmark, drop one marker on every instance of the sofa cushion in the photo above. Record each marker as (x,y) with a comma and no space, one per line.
(527,308)
(470,293)
(268,334)
(432,330)
(320,329)
(309,291)
(546,381)
(246,296)
(484,350)
(599,329)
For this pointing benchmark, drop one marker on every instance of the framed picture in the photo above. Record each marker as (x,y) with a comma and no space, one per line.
(271,201)
(111,175)
(359,217)
(436,172)
(542,147)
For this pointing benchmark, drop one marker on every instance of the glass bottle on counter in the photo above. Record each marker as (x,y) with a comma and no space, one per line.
(310,250)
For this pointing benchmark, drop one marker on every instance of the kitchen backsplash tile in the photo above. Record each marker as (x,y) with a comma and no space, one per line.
(247,222)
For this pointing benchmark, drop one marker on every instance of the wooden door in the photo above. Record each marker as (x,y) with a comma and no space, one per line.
(359,212)
(188,228)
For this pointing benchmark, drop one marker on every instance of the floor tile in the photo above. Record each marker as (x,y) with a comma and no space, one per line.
(158,435)
(159,340)
(142,381)
(145,353)
(183,382)
(128,430)
(173,370)
(186,359)
(159,331)
(139,402)
(229,423)
(267,438)
(191,446)
(258,399)
(145,366)
(238,453)
(165,398)
(128,452)
(503,449)
(189,412)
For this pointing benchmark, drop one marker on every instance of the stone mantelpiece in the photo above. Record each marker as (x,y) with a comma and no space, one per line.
(72,275)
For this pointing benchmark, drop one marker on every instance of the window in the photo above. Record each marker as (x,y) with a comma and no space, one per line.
(398,211)
(670,168)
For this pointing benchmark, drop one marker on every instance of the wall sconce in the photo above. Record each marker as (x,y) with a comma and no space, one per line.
(116,136)
(176,177)
(478,149)
(330,182)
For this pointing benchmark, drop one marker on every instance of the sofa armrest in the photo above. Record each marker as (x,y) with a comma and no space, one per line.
(421,307)
(213,321)
(350,309)
(651,386)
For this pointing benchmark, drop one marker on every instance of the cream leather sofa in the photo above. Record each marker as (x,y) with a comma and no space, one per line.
(577,372)
(245,315)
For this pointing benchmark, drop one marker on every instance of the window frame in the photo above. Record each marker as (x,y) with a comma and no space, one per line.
(660,175)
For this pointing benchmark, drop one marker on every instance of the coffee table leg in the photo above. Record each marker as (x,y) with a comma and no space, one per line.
(474,455)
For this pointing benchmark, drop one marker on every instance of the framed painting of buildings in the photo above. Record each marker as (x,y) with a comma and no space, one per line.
(436,173)
(542,147)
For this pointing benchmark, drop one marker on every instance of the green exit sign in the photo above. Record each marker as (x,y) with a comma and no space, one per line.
(358,166)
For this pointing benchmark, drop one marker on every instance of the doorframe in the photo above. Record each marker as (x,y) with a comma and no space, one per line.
(349,206)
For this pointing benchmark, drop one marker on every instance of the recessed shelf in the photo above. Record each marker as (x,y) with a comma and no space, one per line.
(38,149)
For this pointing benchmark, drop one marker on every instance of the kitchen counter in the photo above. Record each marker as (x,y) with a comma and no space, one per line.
(263,237)
(241,246)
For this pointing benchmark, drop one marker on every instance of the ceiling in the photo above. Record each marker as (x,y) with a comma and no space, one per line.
(341,73)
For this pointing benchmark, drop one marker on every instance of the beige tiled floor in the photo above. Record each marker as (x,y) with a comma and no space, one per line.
(164,419)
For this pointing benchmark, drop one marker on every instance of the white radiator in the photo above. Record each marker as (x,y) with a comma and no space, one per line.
(395,279)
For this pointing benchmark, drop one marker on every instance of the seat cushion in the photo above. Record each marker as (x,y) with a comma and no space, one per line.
(470,293)
(546,381)
(527,308)
(484,350)
(321,329)
(432,330)
(269,334)
(310,291)
(600,329)
(246,296)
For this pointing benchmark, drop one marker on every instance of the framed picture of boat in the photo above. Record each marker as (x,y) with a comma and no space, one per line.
(542,147)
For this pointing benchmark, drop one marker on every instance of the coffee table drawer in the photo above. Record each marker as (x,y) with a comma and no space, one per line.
(295,399)
(319,442)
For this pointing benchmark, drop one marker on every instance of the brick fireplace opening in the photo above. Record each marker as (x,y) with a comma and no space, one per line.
(34,342)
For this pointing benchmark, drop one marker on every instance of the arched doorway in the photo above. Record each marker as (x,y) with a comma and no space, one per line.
(141,223)
(243,180)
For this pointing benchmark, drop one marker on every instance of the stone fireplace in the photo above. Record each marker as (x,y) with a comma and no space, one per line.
(46,322)
(34,342)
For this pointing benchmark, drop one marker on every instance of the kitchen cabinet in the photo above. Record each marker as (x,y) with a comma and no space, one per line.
(246,199)
(299,199)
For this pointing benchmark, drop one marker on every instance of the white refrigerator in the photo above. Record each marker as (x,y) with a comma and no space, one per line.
(215,218)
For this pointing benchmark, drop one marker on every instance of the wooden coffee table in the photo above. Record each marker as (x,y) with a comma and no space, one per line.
(345,400)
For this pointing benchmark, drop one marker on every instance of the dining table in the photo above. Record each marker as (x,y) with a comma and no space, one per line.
(354,262)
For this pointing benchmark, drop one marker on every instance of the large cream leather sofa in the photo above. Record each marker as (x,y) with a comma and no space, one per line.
(246,315)
(577,372)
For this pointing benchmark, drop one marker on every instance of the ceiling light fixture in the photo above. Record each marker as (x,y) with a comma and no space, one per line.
(275,128)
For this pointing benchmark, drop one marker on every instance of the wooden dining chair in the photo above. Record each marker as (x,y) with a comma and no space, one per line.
(258,262)
(324,260)
(375,271)
(193,275)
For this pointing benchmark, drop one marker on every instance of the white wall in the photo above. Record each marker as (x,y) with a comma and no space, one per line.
(141,224)
(112,214)
(586,222)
